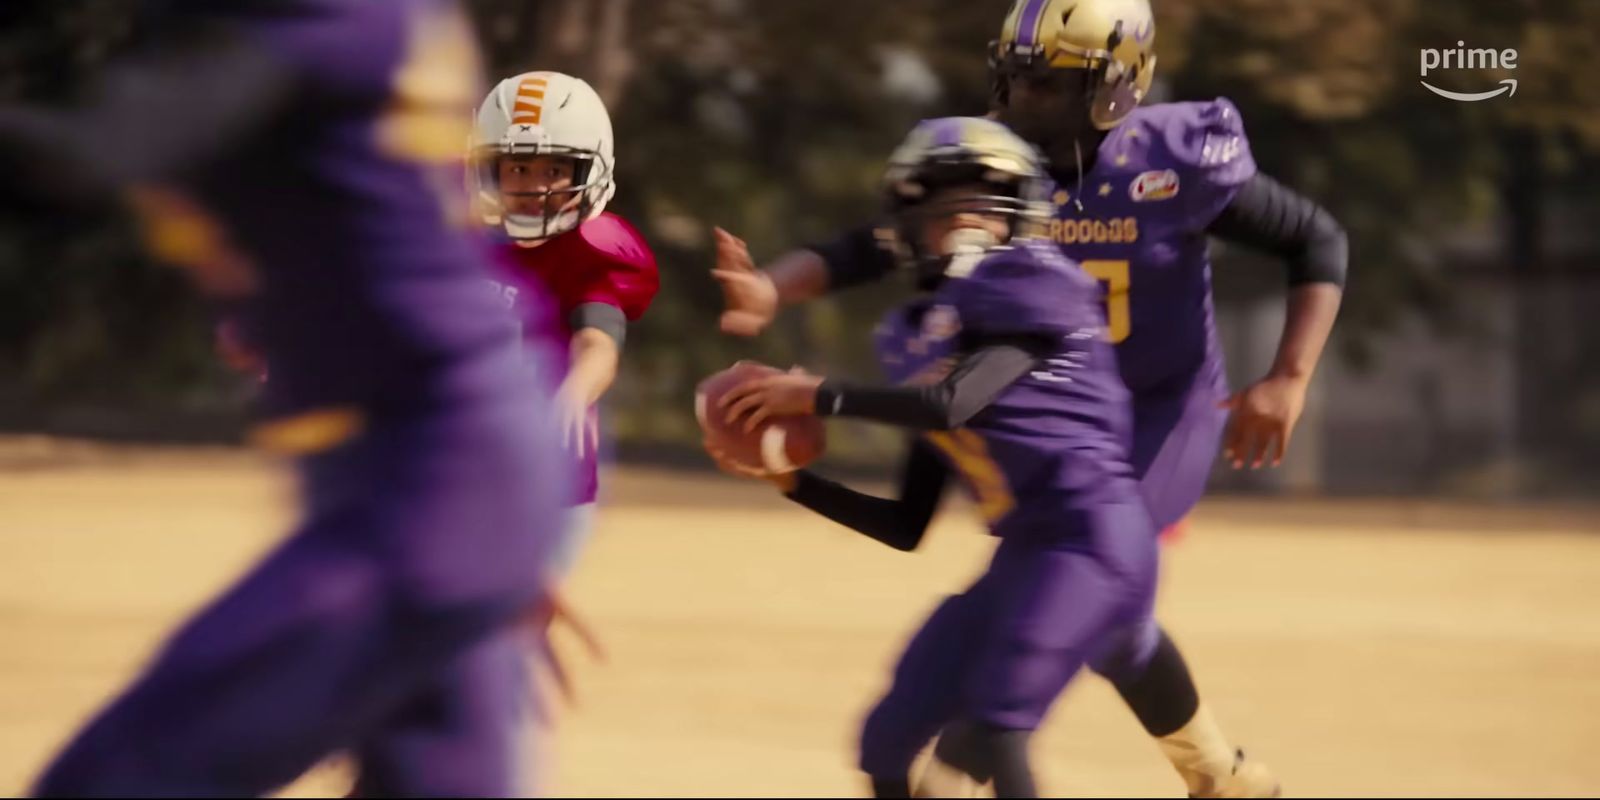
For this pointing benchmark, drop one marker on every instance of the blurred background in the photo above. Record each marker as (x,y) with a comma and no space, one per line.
(1466,362)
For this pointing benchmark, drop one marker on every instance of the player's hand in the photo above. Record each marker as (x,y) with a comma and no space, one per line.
(759,399)
(750,297)
(578,435)
(540,620)
(1264,416)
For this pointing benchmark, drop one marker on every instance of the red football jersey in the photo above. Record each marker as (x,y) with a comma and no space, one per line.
(603,261)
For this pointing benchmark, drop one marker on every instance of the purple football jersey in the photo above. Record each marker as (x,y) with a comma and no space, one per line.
(1159,179)
(1054,443)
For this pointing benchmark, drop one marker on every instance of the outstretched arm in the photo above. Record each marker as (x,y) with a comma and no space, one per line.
(752,297)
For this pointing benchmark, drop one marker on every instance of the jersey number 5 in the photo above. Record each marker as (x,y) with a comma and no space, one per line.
(983,476)
(1115,275)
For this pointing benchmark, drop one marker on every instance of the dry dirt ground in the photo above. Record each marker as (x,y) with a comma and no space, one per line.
(1361,649)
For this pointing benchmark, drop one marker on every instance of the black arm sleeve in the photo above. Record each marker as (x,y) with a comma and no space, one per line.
(150,119)
(1271,217)
(977,379)
(897,523)
(854,258)
(603,317)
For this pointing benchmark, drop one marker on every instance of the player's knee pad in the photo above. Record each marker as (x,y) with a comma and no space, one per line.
(1129,654)
(1160,690)
(885,788)
(982,751)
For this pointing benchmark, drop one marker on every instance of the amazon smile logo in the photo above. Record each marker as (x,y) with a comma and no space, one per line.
(1460,57)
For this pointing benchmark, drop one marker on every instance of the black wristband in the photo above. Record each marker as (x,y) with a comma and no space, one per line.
(829,398)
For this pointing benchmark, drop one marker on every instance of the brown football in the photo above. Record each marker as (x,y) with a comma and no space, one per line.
(779,445)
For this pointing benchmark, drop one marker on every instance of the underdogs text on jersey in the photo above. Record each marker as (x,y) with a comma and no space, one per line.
(1120,230)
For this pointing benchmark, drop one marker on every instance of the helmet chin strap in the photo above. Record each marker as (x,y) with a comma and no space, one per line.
(1077,195)
(1058,150)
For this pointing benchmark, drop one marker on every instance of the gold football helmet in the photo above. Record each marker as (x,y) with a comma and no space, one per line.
(954,152)
(1113,40)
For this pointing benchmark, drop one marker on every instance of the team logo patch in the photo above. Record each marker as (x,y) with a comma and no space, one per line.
(1154,185)
(940,323)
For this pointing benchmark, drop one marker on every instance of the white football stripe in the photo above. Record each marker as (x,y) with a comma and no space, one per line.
(774,450)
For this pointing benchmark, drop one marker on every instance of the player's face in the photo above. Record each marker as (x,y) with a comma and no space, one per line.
(1047,106)
(962,208)
(537,186)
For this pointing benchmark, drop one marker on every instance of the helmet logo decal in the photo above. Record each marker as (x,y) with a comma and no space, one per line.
(940,323)
(530,102)
(1145,30)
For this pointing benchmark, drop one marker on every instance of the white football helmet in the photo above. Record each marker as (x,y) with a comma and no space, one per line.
(543,113)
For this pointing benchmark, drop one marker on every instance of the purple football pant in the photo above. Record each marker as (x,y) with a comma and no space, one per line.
(1002,651)
(1176,434)
(444,741)
(462,736)
(388,609)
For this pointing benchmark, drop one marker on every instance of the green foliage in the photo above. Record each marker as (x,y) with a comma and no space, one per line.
(771,119)
(86,319)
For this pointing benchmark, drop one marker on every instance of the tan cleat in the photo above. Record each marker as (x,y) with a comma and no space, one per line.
(1248,779)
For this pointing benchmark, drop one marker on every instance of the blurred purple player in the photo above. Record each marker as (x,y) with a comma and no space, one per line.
(1002,363)
(299,158)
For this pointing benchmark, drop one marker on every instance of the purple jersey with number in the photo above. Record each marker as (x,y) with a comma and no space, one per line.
(377,298)
(1159,179)
(1054,443)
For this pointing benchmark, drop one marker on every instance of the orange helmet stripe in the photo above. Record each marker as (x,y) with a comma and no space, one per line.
(529,108)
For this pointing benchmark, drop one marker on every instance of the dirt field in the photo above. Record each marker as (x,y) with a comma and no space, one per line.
(1360,649)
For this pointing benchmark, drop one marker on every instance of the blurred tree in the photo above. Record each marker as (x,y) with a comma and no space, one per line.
(86,321)
(772,119)
(590,38)
(1549,137)
(1332,106)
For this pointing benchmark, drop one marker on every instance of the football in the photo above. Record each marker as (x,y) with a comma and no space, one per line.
(779,445)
